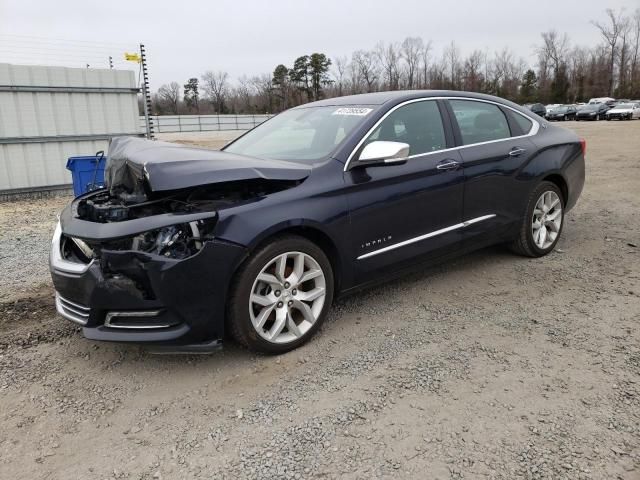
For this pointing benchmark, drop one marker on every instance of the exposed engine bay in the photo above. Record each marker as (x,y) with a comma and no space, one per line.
(105,206)
(147,178)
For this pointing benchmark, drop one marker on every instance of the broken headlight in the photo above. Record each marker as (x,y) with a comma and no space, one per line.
(174,241)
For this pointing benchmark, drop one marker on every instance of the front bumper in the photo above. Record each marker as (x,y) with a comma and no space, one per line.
(618,116)
(130,296)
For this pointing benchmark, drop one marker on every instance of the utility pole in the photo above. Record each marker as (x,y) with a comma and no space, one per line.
(146,94)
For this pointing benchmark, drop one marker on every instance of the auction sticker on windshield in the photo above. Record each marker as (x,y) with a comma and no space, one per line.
(360,112)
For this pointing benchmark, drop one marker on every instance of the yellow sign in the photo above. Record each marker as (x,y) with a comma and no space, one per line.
(132,57)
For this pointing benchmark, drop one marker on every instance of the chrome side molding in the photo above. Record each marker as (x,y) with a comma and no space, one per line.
(457,226)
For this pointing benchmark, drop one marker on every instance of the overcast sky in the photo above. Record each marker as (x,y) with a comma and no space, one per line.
(186,38)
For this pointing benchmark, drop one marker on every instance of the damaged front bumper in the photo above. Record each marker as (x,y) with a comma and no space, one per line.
(132,296)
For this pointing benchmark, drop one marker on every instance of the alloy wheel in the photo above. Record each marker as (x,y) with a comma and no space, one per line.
(287,297)
(547,219)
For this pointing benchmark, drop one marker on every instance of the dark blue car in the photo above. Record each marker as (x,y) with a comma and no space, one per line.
(186,244)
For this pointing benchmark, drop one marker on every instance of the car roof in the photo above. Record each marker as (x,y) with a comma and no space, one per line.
(398,96)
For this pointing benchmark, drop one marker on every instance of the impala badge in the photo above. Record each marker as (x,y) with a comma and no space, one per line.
(377,241)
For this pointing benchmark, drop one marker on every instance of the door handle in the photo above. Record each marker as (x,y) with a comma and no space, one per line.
(515,151)
(448,165)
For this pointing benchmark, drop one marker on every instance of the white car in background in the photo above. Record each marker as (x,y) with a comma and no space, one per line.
(551,106)
(624,111)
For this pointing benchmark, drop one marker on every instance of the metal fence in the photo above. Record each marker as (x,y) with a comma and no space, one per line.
(48,114)
(203,123)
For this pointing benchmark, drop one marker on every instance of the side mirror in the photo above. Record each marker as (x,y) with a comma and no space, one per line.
(384,153)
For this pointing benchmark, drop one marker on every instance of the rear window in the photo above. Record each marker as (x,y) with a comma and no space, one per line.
(479,121)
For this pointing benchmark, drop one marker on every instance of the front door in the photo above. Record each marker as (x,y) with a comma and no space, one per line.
(403,211)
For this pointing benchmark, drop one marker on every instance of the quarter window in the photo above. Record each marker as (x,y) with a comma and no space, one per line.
(524,123)
(419,124)
(479,121)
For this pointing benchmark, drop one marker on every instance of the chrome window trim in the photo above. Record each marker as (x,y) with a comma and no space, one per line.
(435,233)
(534,129)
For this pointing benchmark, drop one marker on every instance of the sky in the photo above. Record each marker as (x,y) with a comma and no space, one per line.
(186,38)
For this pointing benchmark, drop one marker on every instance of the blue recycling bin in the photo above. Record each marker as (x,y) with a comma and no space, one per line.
(87,172)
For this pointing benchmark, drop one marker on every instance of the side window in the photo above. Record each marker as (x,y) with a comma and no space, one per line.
(523,122)
(419,124)
(479,121)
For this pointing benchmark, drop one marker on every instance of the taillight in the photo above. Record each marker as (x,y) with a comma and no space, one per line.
(583,145)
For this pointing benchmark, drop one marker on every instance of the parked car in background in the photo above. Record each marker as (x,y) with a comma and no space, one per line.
(593,111)
(549,108)
(256,240)
(607,100)
(537,108)
(563,112)
(624,111)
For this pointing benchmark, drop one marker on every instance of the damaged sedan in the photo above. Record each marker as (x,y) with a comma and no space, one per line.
(185,245)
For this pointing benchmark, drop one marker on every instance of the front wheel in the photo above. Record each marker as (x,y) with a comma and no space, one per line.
(280,296)
(542,225)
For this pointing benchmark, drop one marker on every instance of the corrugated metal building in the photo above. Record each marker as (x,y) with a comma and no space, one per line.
(48,114)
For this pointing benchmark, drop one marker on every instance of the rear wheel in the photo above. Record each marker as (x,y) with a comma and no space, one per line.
(542,225)
(281,295)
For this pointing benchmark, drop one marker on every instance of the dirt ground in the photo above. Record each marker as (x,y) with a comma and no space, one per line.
(492,366)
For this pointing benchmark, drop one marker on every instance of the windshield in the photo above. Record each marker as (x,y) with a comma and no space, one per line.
(560,109)
(305,134)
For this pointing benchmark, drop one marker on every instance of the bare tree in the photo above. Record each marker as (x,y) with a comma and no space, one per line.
(412,48)
(473,78)
(554,48)
(264,91)
(215,87)
(424,63)
(243,93)
(623,56)
(367,69)
(451,57)
(389,57)
(635,54)
(341,66)
(169,96)
(551,56)
(611,33)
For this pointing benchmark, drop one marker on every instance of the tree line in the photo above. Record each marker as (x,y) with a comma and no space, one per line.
(562,73)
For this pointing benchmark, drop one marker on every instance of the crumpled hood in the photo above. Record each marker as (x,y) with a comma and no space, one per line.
(170,166)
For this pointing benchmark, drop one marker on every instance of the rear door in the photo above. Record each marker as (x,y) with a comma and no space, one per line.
(494,146)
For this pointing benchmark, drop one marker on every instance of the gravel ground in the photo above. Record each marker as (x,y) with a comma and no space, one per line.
(492,366)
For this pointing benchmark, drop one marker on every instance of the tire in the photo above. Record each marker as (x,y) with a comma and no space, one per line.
(280,311)
(528,243)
